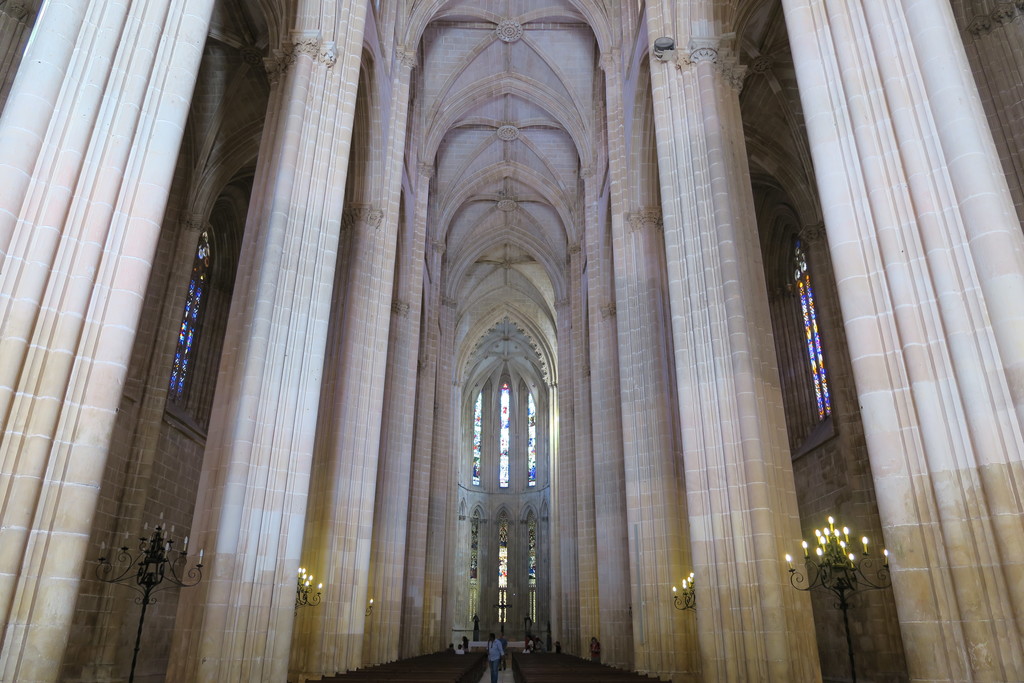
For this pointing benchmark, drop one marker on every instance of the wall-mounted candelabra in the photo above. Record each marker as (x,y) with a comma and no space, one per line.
(687,597)
(304,590)
(834,567)
(156,562)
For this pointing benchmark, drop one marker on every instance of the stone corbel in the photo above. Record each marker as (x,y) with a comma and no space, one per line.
(812,234)
(15,9)
(645,218)
(607,311)
(400,308)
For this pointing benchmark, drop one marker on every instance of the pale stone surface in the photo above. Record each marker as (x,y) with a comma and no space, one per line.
(530,194)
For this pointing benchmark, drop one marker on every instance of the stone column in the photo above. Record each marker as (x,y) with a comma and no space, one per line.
(929,260)
(655,504)
(391,515)
(254,487)
(419,492)
(441,536)
(752,625)
(89,138)
(617,627)
(577,581)
(16,20)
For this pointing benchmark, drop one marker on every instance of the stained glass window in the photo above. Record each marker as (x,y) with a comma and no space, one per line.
(531,525)
(802,279)
(502,566)
(474,563)
(190,320)
(478,416)
(531,442)
(504,437)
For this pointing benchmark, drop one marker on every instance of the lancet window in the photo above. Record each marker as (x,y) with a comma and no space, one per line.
(478,418)
(504,437)
(531,526)
(188,333)
(815,356)
(474,563)
(531,441)
(502,567)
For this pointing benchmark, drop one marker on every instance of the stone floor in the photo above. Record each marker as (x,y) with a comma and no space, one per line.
(503,676)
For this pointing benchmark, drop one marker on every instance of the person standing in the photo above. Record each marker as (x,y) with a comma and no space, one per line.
(595,650)
(495,653)
(504,651)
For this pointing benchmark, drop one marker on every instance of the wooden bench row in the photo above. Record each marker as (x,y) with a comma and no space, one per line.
(440,667)
(548,668)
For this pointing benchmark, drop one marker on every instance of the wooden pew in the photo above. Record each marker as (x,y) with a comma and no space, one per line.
(549,668)
(439,667)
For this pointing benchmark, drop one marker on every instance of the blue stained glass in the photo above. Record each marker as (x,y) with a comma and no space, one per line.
(531,445)
(815,355)
(190,319)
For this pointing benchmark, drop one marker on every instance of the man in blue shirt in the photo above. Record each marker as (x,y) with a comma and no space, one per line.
(495,653)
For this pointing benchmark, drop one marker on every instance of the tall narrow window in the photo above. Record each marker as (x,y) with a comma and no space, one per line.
(191,319)
(478,418)
(531,525)
(504,437)
(474,562)
(802,279)
(502,567)
(531,441)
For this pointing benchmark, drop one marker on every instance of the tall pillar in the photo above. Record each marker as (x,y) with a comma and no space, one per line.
(741,500)
(237,623)
(608,474)
(89,138)
(929,260)
(419,490)
(438,609)
(655,505)
(391,516)
(572,487)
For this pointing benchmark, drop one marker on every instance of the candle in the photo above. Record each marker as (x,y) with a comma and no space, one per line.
(864,540)
(200,556)
(789,560)
(804,544)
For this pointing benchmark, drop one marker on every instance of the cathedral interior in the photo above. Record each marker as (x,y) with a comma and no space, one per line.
(512,315)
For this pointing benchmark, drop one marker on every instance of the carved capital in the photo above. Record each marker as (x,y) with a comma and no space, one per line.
(607,311)
(813,234)
(196,224)
(449,302)
(426,170)
(405,56)
(609,58)
(649,217)
(400,308)
(438,246)
(351,216)
(14,8)
(575,248)
(980,26)
(1004,13)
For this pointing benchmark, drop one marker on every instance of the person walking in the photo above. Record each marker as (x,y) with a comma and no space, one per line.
(495,652)
(595,650)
